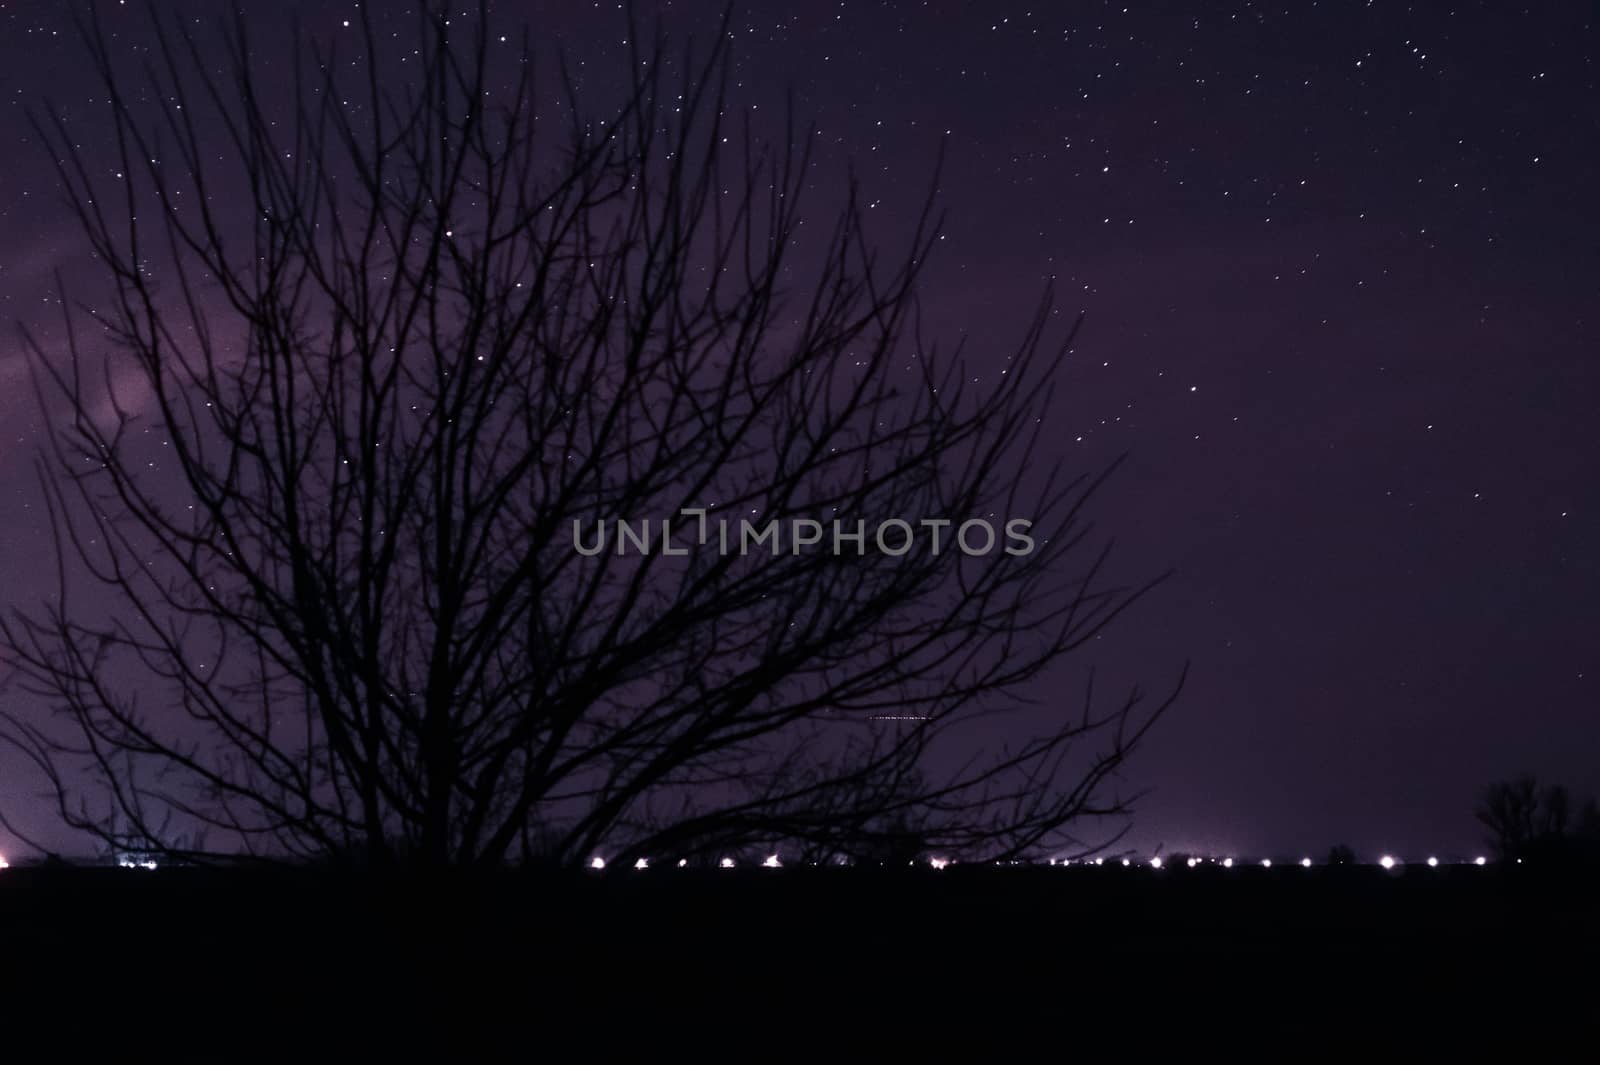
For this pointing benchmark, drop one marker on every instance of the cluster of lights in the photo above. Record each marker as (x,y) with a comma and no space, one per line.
(1387,861)
(598,863)
(773,861)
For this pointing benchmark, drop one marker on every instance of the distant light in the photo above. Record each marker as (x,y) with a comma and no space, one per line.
(1052,861)
(726,863)
(597,863)
(938,863)
(772,862)
(3,863)
(1386,861)
(1099,861)
(1433,863)
(1193,862)
(682,862)
(1227,863)
(642,863)
(1305,862)
(1480,860)
(1126,863)
(1155,863)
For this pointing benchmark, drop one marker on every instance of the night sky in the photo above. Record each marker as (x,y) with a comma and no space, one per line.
(1340,265)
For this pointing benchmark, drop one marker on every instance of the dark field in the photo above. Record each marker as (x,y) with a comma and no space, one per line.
(819,964)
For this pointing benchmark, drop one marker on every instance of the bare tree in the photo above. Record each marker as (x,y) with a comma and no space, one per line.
(382,352)
(1521,816)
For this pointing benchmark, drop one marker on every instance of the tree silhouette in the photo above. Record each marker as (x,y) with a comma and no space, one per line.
(379,346)
(1520,815)
(1525,820)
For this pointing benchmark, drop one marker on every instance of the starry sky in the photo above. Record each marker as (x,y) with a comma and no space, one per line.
(1340,265)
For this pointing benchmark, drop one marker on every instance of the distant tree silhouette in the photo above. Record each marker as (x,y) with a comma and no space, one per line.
(1340,854)
(1587,825)
(377,344)
(1525,819)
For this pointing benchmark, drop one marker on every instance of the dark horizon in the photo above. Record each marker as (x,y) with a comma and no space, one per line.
(1340,289)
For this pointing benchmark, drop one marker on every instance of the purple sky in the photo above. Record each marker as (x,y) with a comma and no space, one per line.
(1340,265)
